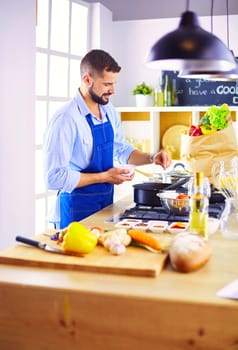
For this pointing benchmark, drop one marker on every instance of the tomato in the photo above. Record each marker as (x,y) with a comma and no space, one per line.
(182,196)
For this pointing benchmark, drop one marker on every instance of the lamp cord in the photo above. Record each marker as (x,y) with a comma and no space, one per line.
(227,21)
(212,5)
(187,5)
(227,24)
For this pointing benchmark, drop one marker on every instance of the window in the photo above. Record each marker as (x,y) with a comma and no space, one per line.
(61,41)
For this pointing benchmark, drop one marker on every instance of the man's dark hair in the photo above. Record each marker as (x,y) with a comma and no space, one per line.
(96,61)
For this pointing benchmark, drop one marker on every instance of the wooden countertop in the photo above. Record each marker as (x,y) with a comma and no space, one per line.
(56,309)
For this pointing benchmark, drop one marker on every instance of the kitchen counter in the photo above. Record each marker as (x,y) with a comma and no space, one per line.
(57,309)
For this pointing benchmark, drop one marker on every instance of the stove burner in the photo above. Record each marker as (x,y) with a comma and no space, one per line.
(146,213)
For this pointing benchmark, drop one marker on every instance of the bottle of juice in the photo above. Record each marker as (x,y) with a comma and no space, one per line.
(199,202)
(167,92)
(158,94)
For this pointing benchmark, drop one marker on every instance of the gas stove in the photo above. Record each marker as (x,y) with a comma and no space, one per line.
(156,211)
(147,213)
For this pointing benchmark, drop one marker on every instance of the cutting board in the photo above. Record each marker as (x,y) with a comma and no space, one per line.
(135,261)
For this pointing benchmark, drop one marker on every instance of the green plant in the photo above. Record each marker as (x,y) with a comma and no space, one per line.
(142,89)
(216,117)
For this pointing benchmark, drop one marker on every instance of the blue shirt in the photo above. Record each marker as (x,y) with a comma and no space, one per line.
(68,143)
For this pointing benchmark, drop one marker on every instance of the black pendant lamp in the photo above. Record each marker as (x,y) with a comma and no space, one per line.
(214,75)
(190,48)
(231,75)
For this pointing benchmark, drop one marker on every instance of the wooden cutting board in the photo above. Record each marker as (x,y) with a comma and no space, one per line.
(135,261)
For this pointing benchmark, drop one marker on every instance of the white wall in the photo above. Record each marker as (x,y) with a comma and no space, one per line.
(133,39)
(17,97)
(102,32)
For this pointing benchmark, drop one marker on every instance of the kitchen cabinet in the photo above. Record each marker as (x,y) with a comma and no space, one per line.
(147,125)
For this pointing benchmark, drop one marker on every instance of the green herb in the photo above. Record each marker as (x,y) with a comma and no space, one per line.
(205,120)
(142,89)
(140,245)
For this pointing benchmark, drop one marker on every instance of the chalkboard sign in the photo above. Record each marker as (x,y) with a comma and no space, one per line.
(200,92)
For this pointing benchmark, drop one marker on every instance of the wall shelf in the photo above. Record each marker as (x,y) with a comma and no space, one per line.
(159,119)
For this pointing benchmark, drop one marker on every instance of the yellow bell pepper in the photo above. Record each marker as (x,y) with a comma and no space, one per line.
(207,129)
(79,239)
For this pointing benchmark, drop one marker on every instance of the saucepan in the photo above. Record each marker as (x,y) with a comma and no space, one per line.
(146,193)
(178,172)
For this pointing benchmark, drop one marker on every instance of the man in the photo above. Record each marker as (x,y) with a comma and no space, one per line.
(82,140)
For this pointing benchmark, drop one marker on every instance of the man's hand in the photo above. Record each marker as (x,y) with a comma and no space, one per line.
(114,176)
(162,158)
(117,176)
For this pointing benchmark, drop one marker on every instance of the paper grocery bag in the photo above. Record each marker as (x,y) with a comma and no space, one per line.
(200,153)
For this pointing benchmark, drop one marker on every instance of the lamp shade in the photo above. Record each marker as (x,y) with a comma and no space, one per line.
(231,75)
(190,47)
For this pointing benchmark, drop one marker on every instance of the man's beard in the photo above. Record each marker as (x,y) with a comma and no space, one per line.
(96,98)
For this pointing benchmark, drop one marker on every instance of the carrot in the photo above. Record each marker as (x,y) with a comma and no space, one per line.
(144,238)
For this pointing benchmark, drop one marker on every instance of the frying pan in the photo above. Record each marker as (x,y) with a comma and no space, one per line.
(146,193)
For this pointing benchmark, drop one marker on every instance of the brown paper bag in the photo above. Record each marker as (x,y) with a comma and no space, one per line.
(200,153)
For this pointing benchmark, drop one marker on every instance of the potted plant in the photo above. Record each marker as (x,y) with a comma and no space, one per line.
(144,95)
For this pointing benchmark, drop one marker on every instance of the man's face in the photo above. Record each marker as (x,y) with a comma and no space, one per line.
(101,88)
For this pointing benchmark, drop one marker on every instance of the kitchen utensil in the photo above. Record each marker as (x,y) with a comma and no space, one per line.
(146,193)
(174,205)
(178,183)
(229,219)
(178,171)
(149,175)
(130,167)
(40,245)
(225,177)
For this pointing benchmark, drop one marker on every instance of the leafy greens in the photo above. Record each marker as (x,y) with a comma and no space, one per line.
(216,117)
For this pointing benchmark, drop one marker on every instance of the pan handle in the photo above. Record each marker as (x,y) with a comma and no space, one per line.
(178,183)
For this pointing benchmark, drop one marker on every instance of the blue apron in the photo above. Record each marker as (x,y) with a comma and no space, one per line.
(85,201)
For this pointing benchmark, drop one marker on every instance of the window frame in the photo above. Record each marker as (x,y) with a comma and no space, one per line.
(47,195)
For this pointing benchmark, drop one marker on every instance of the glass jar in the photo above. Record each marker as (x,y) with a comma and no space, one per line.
(229,219)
